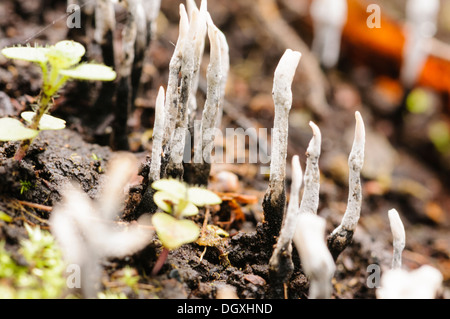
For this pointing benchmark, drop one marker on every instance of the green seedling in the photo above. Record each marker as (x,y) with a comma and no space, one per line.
(40,276)
(59,63)
(177,200)
(25,186)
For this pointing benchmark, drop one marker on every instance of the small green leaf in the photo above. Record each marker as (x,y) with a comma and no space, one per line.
(172,186)
(165,201)
(201,197)
(90,71)
(47,122)
(65,54)
(173,232)
(14,130)
(32,54)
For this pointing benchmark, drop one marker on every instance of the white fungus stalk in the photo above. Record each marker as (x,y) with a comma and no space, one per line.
(158,129)
(280,264)
(129,35)
(342,235)
(105,20)
(282,97)
(421,26)
(398,233)
(329,17)
(151,9)
(124,92)
(198,52)
(141,44)
(213,95)
(274,199)
(225,59)
(310,199)
(177,147)
(317,262)
(171,102)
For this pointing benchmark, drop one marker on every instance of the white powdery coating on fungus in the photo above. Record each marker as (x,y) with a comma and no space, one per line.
(151,8)
(398,233)
(213,94)
(129,34)
(199,47)
(317,262)
(187,70)
(290,221)
(140,19)
(104,19)
(421,26)
(310,199)
(158,133)
(282,97)
(171,103)
(355,163)
(329,17)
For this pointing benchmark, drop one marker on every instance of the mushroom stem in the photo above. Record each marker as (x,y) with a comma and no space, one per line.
(398,233)
(310,199)
(342,236)
(275,197)
(171,102)
(158,132)
(280,264)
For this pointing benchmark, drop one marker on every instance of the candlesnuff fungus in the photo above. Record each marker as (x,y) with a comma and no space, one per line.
(158,131)
(171,102)
(421,20)
(105,24)
(329,17)
(85,228)
(396,283)
(398,233)
(275,197)
(310,199)
(342,236)
(316,260)
(188,61)
(124,95)
(225,62)
(199,48)
(59,63)
(280,264)
(151,9)
(202,157)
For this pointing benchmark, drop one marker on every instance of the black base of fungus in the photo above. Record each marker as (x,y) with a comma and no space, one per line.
(175,170)
(147,204)
(338,242)
(273,207)
(281,275)
(121,112)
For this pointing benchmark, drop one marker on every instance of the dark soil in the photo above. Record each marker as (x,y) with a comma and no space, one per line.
(415,177)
